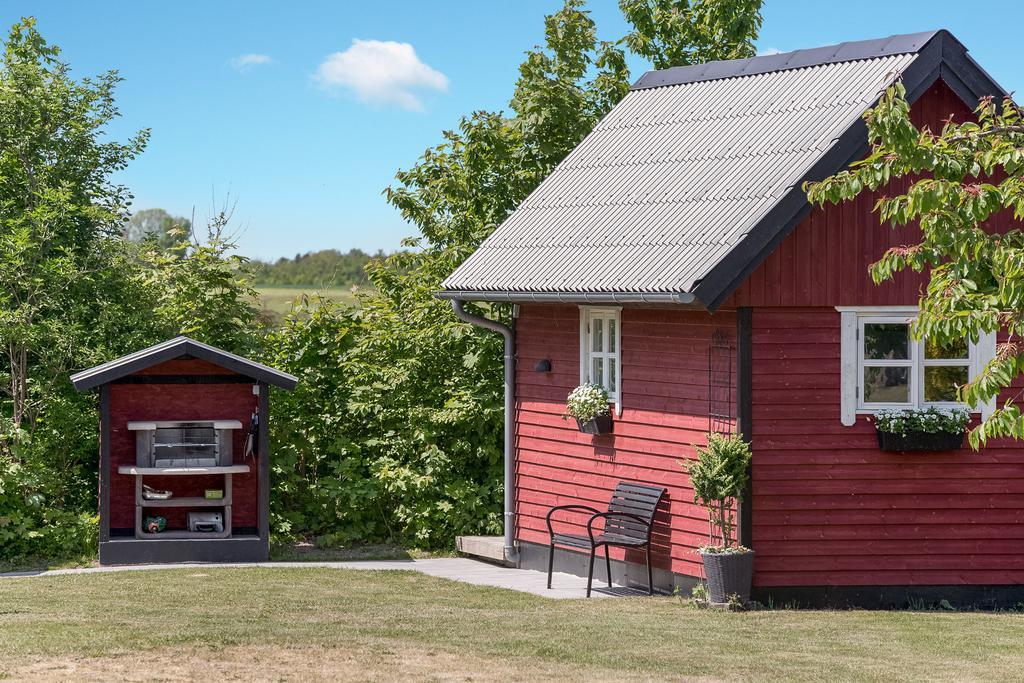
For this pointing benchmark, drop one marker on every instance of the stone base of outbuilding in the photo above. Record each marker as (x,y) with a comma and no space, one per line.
(163,551)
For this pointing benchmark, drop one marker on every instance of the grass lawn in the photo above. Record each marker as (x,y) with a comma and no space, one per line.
(317,624)
(278,300)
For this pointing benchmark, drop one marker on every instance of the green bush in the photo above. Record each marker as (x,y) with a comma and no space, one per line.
(394,431)
(719,477)
(32,526)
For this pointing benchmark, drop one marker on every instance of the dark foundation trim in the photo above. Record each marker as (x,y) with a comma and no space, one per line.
(984,597)
(633,574)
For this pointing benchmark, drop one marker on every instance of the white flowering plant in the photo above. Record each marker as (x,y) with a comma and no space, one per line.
(587,401)
(930,420)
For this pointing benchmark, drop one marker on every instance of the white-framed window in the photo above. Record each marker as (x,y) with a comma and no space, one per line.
(600,342)
(883,368)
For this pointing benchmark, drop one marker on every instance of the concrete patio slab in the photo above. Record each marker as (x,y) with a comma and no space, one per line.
(564,586)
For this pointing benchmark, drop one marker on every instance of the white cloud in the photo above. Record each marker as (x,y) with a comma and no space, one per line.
(381,72)
(768,51)
(244,63)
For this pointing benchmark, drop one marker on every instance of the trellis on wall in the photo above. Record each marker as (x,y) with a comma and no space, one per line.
(721,407)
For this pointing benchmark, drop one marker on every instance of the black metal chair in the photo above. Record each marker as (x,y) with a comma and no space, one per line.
(627,524)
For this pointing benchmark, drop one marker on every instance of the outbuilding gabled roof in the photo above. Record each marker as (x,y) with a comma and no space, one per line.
(180,347)
(695,176)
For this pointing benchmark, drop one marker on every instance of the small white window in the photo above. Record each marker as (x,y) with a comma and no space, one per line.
(599,349)
(883,368)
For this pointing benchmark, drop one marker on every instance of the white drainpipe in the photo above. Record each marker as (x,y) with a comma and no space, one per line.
(511,554)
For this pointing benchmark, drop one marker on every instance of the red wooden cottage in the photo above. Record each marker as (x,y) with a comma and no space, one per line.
(184,471)
(674,258)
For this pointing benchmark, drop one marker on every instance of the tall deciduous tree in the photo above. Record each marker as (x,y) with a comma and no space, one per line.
(57,204)
(680,32)
(968,179)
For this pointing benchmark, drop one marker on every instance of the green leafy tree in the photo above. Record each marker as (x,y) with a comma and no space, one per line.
(203,289)
(966,178)
(680,32)
(57,204)
(156,225)
(68,295)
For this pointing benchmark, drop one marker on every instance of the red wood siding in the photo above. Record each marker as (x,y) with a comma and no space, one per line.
(154,402)
(829,508)
(665,413)
(825,260)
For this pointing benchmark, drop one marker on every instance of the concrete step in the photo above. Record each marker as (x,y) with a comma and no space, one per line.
(490,548)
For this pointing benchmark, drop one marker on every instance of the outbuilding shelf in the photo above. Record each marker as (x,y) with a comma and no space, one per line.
(182,471)
(185,502)
(183,534)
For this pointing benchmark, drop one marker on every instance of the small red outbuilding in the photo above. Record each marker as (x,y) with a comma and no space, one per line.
(673,257)
(184,455)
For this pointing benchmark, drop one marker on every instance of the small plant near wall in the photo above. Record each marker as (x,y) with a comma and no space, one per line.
(588,403)
(719,476)
(931,429)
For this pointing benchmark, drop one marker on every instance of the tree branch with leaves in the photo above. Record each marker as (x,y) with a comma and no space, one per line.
(967,196)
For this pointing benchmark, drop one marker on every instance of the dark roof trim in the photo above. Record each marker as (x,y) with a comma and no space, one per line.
(177,348)
(681,298)
(798,59)
(944,57)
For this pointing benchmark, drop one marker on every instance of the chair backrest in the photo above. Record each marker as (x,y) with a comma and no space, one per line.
(636,499)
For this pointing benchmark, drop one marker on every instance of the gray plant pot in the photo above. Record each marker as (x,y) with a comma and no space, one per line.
(728,574)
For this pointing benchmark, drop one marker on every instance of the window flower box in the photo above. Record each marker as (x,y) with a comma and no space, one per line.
(588,404)
(600,424)
(920,441)
(932,429)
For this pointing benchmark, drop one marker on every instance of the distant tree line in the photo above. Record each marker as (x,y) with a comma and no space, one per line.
(324,268)
(321,269)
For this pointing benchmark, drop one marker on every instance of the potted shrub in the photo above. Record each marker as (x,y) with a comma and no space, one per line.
(932,429)
(588,403)
(719,476)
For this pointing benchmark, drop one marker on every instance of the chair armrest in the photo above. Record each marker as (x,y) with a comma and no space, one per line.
(624,515)
(559,508)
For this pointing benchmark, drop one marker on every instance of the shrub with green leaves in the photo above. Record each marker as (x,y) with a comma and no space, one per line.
(587,401)
(931,420)
(719,477)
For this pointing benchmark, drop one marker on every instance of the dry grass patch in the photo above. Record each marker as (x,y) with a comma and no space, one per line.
(310,623)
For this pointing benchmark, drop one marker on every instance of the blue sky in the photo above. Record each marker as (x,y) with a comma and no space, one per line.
(274,102)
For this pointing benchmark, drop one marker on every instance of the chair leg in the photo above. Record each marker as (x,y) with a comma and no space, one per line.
(650,574)
(608,566)
(551,563)
(590,571)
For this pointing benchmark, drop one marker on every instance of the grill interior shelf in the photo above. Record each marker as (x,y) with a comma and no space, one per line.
(142,503)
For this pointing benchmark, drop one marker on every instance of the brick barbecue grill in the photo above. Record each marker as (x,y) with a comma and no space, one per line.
(184,454)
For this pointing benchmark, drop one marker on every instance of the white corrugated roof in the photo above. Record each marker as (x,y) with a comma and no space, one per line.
(672,178)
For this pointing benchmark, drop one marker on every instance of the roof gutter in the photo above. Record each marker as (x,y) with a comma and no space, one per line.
(680,298)
(511,554)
